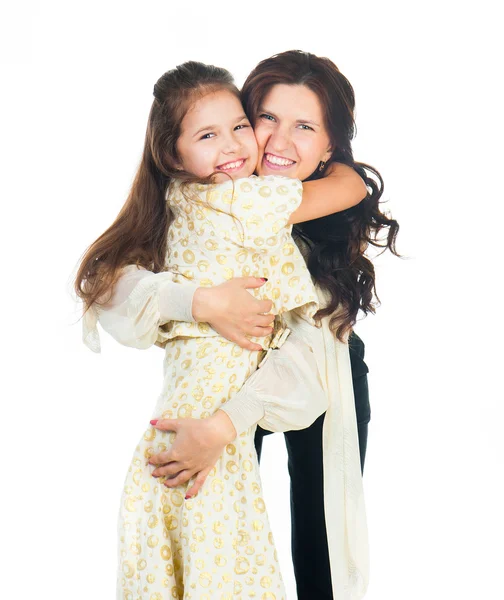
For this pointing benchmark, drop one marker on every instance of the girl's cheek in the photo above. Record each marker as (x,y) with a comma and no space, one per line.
(252,138)
(261,136)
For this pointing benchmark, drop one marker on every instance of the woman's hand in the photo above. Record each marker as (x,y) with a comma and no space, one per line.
(197,447)
(233,312)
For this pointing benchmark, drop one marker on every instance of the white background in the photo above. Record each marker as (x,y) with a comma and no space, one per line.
(76,83)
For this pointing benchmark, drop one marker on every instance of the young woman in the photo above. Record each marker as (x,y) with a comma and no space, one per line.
(294,99)
(199,152)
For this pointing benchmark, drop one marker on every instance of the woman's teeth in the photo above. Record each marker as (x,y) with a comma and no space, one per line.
(276,160)
(233,165)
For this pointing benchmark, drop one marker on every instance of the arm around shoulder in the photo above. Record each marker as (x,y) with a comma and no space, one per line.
(339,190)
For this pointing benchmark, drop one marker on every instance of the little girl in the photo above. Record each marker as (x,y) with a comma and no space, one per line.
(196,215)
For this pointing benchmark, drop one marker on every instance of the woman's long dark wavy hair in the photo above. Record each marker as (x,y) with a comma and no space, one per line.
(337,242)
(139,233)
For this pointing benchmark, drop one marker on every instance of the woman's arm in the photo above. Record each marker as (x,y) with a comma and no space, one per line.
(233,312)
(342,188)
(142,301)
(285,394)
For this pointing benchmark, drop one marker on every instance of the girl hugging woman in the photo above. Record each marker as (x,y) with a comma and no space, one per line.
(196,215)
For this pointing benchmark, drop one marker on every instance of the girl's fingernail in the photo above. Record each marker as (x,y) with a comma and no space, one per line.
(264,278)
(187,497)
(154,421)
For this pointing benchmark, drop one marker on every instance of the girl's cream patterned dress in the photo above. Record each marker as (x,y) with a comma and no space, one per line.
(217,546)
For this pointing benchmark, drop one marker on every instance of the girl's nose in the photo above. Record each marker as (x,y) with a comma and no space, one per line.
(231,145)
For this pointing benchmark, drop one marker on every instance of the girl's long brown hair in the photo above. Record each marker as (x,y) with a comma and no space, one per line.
(337,242)
(139,233)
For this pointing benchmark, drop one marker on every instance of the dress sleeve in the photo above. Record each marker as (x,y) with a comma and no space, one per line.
(263,205)
(285,394)
(260,208)
(141,302)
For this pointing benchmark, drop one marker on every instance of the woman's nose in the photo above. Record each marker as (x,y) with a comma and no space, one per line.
(279,141)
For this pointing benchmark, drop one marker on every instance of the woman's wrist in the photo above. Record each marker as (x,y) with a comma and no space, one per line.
(199,305)
(175,301)
(222,427)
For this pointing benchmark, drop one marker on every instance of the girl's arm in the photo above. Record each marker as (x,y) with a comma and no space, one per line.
(342,188)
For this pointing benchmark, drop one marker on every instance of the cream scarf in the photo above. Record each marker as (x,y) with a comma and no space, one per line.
(345,512)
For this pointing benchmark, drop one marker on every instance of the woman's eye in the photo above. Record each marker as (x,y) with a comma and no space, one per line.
(267,117)
(306,127)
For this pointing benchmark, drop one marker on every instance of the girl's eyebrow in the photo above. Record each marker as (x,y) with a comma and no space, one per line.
(207,127)
(302,121)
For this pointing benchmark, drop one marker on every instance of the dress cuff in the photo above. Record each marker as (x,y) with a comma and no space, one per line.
(175,302)
(244,412)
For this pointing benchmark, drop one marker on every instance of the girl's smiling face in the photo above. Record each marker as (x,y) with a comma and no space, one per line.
(291,133)
(216,136)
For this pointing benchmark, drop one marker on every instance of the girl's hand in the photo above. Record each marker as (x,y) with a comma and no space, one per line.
(233,312)
(197,447)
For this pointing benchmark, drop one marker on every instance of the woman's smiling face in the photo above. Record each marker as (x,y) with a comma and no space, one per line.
(291,133)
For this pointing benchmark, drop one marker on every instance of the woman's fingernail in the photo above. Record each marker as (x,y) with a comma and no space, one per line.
(264,278)
(187,497)
(154,421)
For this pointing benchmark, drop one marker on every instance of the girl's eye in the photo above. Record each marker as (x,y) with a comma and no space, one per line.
(207,136)
(238,127)
(267,117)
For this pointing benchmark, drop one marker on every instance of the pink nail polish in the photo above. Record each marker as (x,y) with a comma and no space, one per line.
(154,421)
(187,497)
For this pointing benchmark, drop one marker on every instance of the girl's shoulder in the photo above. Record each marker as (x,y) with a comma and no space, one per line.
(259,181)
(273,189)
(245,184)
(265,186)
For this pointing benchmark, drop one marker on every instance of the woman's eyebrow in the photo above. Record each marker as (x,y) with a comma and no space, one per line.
(307,122)
(301,121)
(262,109)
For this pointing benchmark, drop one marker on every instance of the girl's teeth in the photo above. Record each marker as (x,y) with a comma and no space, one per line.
(283,162)
(234,165)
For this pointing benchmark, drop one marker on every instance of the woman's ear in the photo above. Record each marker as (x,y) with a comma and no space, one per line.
(327,156)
